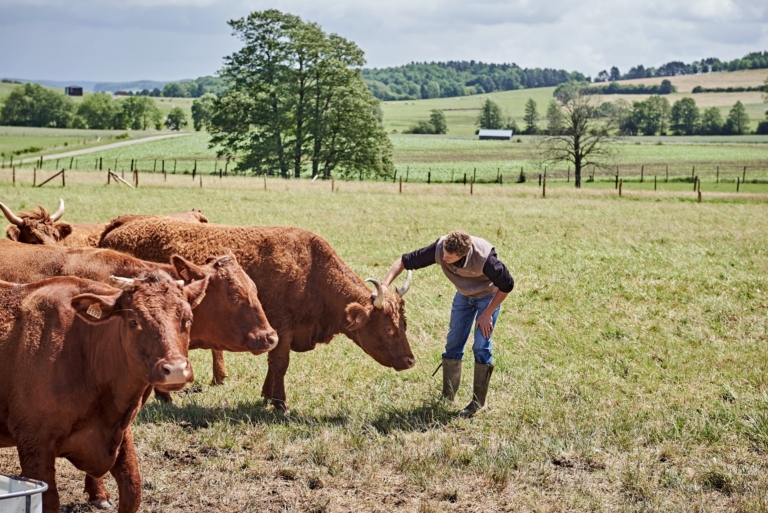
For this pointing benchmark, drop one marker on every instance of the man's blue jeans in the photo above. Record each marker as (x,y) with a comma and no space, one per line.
(464,311)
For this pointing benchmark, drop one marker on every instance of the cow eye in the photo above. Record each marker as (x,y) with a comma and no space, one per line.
(235,299)
(188,323)
(133,323)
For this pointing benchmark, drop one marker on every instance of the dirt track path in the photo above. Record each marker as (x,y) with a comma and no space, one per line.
(111,146)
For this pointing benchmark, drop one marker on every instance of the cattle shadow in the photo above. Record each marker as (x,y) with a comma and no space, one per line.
(427,416)
(192,416)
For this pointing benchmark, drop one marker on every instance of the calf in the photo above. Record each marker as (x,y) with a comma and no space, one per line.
(77,360)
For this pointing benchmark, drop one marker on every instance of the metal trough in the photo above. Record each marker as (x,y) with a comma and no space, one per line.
(21,495)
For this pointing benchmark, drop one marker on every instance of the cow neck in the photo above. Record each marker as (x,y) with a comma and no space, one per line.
(105,366)
(349,288)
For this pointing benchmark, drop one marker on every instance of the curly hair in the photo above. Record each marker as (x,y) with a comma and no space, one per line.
(457,243)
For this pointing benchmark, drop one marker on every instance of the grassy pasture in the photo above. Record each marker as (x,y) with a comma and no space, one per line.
(686,83)
(446,156)
(630,359)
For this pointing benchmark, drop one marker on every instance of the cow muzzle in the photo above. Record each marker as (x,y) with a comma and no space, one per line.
(261,341)
(404,363)
(172,373)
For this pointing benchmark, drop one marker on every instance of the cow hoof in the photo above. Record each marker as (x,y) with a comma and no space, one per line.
(102,504)
(216,382)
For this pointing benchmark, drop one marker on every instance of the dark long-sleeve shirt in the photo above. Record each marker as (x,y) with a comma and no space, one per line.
(493,268)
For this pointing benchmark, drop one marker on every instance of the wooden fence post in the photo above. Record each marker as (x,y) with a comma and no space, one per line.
(63,180)
(471,186)
(465,179)
(621,183)
(201,181)
(429,177)
(333,183)
(544,187)
(654,182)
(265,180)
(744,176)
(737,184)
(394,178)
(401,184)
(13,171)
(717,180)
(34,177)
(539,179)
(695,181)
(642,173)
(666,176)
(698,190)
(617,178)
(109,176)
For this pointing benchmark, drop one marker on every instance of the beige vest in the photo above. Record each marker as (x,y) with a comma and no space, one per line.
(469,279)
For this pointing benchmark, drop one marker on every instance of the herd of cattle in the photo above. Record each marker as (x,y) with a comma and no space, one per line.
(94,317)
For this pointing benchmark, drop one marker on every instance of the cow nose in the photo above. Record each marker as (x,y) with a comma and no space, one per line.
(176,373)
(406,363)
(262,341)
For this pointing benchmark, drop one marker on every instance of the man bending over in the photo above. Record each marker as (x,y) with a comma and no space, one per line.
(482,283)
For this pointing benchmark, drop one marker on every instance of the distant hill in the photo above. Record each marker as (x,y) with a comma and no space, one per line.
(110,87)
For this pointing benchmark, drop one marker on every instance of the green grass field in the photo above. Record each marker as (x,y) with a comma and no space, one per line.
(447,156)
(630,360)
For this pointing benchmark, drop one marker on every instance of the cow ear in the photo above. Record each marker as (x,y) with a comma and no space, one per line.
(95,309)
(357,315)
(188,271)
(13,232)
(64,229)
(196,292)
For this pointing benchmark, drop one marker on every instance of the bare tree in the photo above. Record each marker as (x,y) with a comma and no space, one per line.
(584,139)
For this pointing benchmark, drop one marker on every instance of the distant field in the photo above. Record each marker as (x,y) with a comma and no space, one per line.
(461,112)
(686,83)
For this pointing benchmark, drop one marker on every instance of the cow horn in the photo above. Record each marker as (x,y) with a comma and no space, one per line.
(180,282)
(11,216)
(379,301)
(59,211)
(121,283)
(407,285)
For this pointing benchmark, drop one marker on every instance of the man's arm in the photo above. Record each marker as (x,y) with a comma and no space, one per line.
(415,260)
(497,272)
(484,320)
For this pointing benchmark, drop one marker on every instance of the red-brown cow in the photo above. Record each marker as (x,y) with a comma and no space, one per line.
(309,294)
(230,295)
(40,227)
(77,360)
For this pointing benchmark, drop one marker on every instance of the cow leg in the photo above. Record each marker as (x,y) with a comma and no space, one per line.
(163,397)
(38,464)
(274,384)
(98,495)
(126,473)
(219,367)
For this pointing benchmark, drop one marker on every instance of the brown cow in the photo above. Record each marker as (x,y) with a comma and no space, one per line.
(77,360)
(309,294)
(40,227)
(230,295)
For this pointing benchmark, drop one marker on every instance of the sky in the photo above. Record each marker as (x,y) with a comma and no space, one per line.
(121,40)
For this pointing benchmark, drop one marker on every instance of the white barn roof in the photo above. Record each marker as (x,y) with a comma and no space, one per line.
(495,133)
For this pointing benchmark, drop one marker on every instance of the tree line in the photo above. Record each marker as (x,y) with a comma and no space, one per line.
(753,60)
(417,80)
(36,106)
(665,87)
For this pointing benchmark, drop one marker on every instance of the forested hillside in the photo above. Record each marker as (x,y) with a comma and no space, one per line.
(416,81)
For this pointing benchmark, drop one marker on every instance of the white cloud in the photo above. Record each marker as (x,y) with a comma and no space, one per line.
(186,38)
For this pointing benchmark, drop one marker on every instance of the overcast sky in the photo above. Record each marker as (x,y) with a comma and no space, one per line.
(117,40)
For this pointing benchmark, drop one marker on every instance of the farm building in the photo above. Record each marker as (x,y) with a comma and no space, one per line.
(73,91)
(495,135)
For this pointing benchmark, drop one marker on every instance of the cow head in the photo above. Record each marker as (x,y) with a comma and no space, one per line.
(37,226)
(230,318)
(155,316)
(378,326)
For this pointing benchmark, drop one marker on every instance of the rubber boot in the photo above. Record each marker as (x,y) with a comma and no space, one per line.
(451,378)
(480,389)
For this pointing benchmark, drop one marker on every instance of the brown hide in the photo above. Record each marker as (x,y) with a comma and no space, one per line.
(230,294)
(38,227)
(309,294)
(77,359)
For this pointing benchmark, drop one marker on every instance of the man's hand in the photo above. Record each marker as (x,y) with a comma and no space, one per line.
(485,323)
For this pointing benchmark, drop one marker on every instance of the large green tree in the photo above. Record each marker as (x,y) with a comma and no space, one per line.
(177,119)
(738,119)
(35,105)
(684,118)
(139,113)
(99,111)
(531,117)
(490,115)
(202,111)
(711,122)
(297,97)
